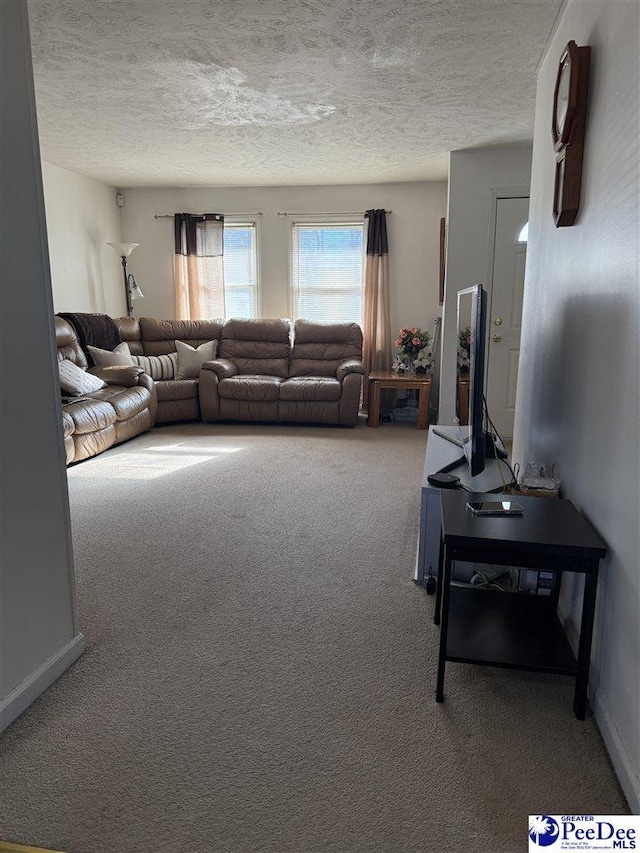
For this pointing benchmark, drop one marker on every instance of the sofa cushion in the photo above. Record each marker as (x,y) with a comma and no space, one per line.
(159,336)
(158,366)
(126,402)
(176,389)
(108,358)
(90,415)
(319,348)
(129,329)
(75,381)
(257,347)
(256,388)
(318,388)
(191,359)
(67,343)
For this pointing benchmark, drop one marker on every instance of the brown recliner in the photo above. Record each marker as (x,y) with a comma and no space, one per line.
(268,370)
(325,374)
(243,382)
(96,421)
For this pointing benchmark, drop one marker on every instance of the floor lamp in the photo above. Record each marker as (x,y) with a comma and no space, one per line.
(131,289)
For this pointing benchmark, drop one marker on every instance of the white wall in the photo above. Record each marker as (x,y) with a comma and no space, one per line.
(82,217)
(475,176)
(39,637)
(578,392)
(413,228)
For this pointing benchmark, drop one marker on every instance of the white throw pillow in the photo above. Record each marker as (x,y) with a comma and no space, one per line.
(110,358)
(158,366)
(75,381)
(191,359)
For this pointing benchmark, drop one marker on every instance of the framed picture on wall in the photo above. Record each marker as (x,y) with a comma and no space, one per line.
(443,233)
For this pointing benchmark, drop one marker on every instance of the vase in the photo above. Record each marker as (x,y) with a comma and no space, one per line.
(404,365)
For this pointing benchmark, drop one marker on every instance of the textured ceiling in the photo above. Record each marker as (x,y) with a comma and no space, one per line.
(281,92)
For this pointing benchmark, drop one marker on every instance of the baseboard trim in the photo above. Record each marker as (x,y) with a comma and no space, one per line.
(40,679)
(622,764)
(627,775)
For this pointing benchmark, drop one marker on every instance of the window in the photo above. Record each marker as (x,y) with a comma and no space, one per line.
(326,271)
(523,234)
(240,277)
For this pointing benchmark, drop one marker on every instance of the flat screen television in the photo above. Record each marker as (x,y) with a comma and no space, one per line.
(472,436)
(472,329)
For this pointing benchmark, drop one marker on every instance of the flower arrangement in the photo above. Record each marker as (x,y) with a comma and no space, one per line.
(464,350)
(414,351)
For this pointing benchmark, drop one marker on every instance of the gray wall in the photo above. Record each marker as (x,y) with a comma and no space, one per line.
(39,637)
(475,177)
(578,388)
(82,218)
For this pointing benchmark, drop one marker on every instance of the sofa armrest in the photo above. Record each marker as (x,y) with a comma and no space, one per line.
(147,382)
(351,365)
(222,367)
(127,375)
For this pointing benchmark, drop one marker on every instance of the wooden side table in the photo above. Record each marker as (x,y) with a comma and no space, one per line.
(420,382)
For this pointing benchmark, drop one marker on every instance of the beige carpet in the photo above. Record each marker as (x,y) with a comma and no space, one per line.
(260,669)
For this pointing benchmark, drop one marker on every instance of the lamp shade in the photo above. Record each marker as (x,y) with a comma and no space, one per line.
(134,289)
(123,249)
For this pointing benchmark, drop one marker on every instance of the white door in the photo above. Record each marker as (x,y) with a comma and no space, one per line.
(505,311)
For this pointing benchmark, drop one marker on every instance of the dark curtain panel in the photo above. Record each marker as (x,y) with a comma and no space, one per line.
(377,243)
(199,234)
(198,266)
(376,329)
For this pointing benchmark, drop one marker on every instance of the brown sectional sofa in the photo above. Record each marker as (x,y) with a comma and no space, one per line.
(265,370)
(94,422)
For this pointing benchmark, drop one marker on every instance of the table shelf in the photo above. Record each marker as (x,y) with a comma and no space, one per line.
(515,630)
(507,629)
(388,379)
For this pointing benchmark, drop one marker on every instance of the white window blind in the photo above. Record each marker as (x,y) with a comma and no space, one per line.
(240,265)
(326,271)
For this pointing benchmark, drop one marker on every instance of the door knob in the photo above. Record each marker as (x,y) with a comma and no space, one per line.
(497,338)
(498,321)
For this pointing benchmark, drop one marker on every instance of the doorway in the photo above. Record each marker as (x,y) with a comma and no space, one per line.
(505,310)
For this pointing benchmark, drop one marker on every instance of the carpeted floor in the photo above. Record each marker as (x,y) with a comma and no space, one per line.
(260,668)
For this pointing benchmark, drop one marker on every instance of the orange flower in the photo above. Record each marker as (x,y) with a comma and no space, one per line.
(413,332)
(415,342)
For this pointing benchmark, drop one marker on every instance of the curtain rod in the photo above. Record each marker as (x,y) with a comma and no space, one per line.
(329,213)
(280,213)
(171,215)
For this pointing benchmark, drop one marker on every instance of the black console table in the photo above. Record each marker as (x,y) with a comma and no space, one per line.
(516,630)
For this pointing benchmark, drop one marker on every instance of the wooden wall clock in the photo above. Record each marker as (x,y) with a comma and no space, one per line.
(567,129)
